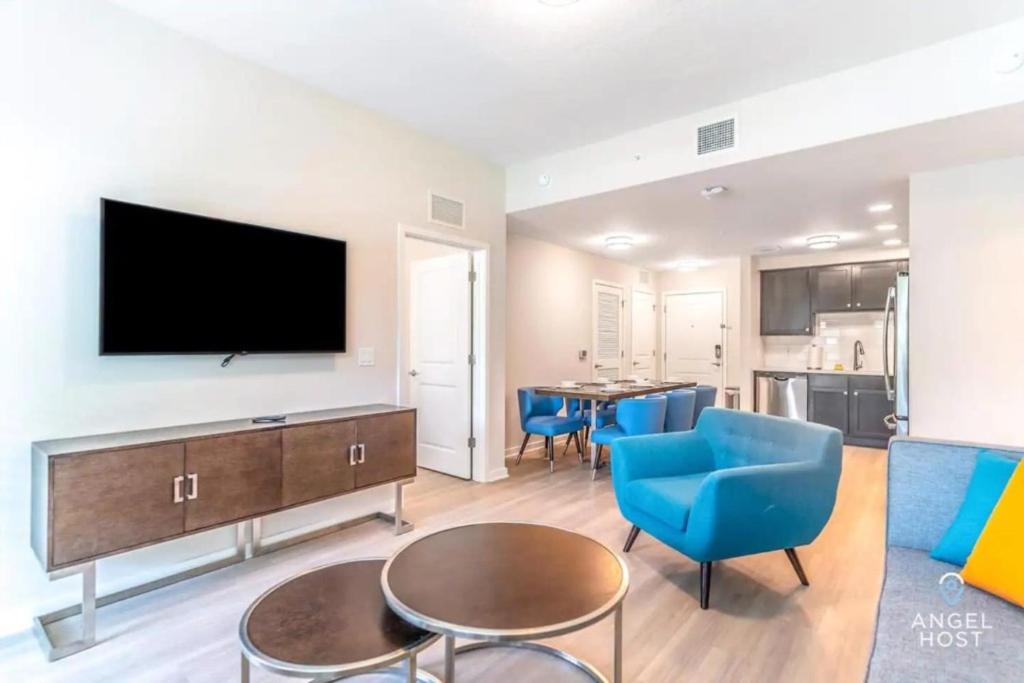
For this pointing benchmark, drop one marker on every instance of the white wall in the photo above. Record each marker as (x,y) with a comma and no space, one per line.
(97,102)
(896,92)
(966,303)
(549,315)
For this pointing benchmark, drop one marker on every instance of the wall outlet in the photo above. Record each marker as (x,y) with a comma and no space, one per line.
(367,357)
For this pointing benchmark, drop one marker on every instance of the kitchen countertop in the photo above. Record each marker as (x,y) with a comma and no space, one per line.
(866,373)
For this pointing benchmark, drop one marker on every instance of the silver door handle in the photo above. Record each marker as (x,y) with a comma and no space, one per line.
(890,421)
(598,366)
(193,487)
(413,373)
(717,364)
(352,455)
(362,453)
(178,481)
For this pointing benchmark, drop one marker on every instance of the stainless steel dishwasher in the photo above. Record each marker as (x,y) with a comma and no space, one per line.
(783,394)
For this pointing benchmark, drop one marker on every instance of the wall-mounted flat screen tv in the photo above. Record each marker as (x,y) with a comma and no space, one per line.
(177,283)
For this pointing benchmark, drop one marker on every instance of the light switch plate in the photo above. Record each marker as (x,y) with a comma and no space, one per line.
(366,357)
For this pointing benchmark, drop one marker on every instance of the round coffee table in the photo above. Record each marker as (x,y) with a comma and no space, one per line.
(329,623)
(506,584)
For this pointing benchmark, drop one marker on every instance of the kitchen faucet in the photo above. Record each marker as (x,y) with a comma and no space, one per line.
(858,355)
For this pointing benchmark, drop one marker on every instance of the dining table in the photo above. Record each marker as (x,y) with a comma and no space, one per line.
(597,392)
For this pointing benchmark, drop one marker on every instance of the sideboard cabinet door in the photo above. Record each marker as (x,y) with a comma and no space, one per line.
(316,461)
(111,501)
(232,477)
(388,448)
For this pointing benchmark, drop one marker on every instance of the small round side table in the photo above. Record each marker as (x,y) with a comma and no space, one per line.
(507,584)
(331,623)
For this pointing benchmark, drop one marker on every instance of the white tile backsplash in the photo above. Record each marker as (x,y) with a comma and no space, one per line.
(836,333)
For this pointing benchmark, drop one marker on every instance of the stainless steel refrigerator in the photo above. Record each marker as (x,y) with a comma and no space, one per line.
(895,356)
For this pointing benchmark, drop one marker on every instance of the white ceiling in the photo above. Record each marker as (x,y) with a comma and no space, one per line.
(776,201)
(516,79)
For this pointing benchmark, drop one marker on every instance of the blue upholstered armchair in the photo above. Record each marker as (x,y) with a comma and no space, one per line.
(539,415)
(739,484)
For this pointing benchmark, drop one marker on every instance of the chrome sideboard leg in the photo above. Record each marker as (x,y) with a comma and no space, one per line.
(412,668)
(401,526)
(87,609)
(245,670)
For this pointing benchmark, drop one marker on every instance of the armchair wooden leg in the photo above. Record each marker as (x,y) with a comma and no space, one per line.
(705,584)
(519,458)
(631,538)
(565,449)
(579,445)
(797,567)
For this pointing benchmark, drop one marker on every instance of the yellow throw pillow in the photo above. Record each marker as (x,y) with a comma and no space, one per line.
(996,564)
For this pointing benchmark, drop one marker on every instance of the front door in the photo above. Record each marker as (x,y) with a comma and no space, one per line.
(644,330)
(607,326)
(695,338)
(440,369)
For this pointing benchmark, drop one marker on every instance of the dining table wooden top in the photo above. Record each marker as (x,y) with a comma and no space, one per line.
(594,391)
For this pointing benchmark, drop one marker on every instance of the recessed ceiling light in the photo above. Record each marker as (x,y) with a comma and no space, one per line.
(886,227)
(618,242)
(894,242)
(880,207)
(823,241)
(709,192)
(544,180)
(557,3)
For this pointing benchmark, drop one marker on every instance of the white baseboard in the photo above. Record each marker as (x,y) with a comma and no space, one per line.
(536,444)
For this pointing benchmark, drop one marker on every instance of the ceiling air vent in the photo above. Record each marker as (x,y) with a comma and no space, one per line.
(715,137)
(447,211)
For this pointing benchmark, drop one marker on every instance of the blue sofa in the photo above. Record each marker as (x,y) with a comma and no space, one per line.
(738,484)
(927,484)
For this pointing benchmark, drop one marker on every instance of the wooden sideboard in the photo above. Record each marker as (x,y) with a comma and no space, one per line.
(97,496)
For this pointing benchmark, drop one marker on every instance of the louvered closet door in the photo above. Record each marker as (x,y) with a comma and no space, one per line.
(607,344)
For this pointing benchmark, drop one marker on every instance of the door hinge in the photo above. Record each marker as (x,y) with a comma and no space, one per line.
(472,359)
(654,308)
(622,303)
(471,442)
(472,276)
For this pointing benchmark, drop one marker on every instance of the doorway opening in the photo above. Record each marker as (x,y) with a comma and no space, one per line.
(441,369)
(694,338)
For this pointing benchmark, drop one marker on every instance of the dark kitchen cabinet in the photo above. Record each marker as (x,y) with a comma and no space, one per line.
(854,404)
(827,401)
(786,302)
(871,283)
(869,405)
(832,288)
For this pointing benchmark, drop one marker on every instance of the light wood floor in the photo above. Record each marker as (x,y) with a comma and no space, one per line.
(762,625)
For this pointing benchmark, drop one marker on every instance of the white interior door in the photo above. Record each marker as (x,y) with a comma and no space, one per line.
(607,325)
(440,371)
(644,331)
(694,340)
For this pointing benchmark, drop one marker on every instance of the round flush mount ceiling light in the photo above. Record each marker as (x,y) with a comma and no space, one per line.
(823,241)
(894,242)
(558,3)
(618,242)
(880,207)
(886,227)
(709,192)
(688,265)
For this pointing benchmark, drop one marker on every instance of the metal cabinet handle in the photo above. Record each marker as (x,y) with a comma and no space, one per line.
(178,481)
(844,393)
(362,453)
(858,304)
(856,393)
(193,487)
(352,455)
(847,305)
(807,329)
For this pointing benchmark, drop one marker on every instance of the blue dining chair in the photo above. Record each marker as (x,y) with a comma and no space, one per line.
(633,417)
(605,415)
(680,410)
(539,415)
(706,395)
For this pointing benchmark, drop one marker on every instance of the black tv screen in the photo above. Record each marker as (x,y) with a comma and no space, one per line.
(177,283)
